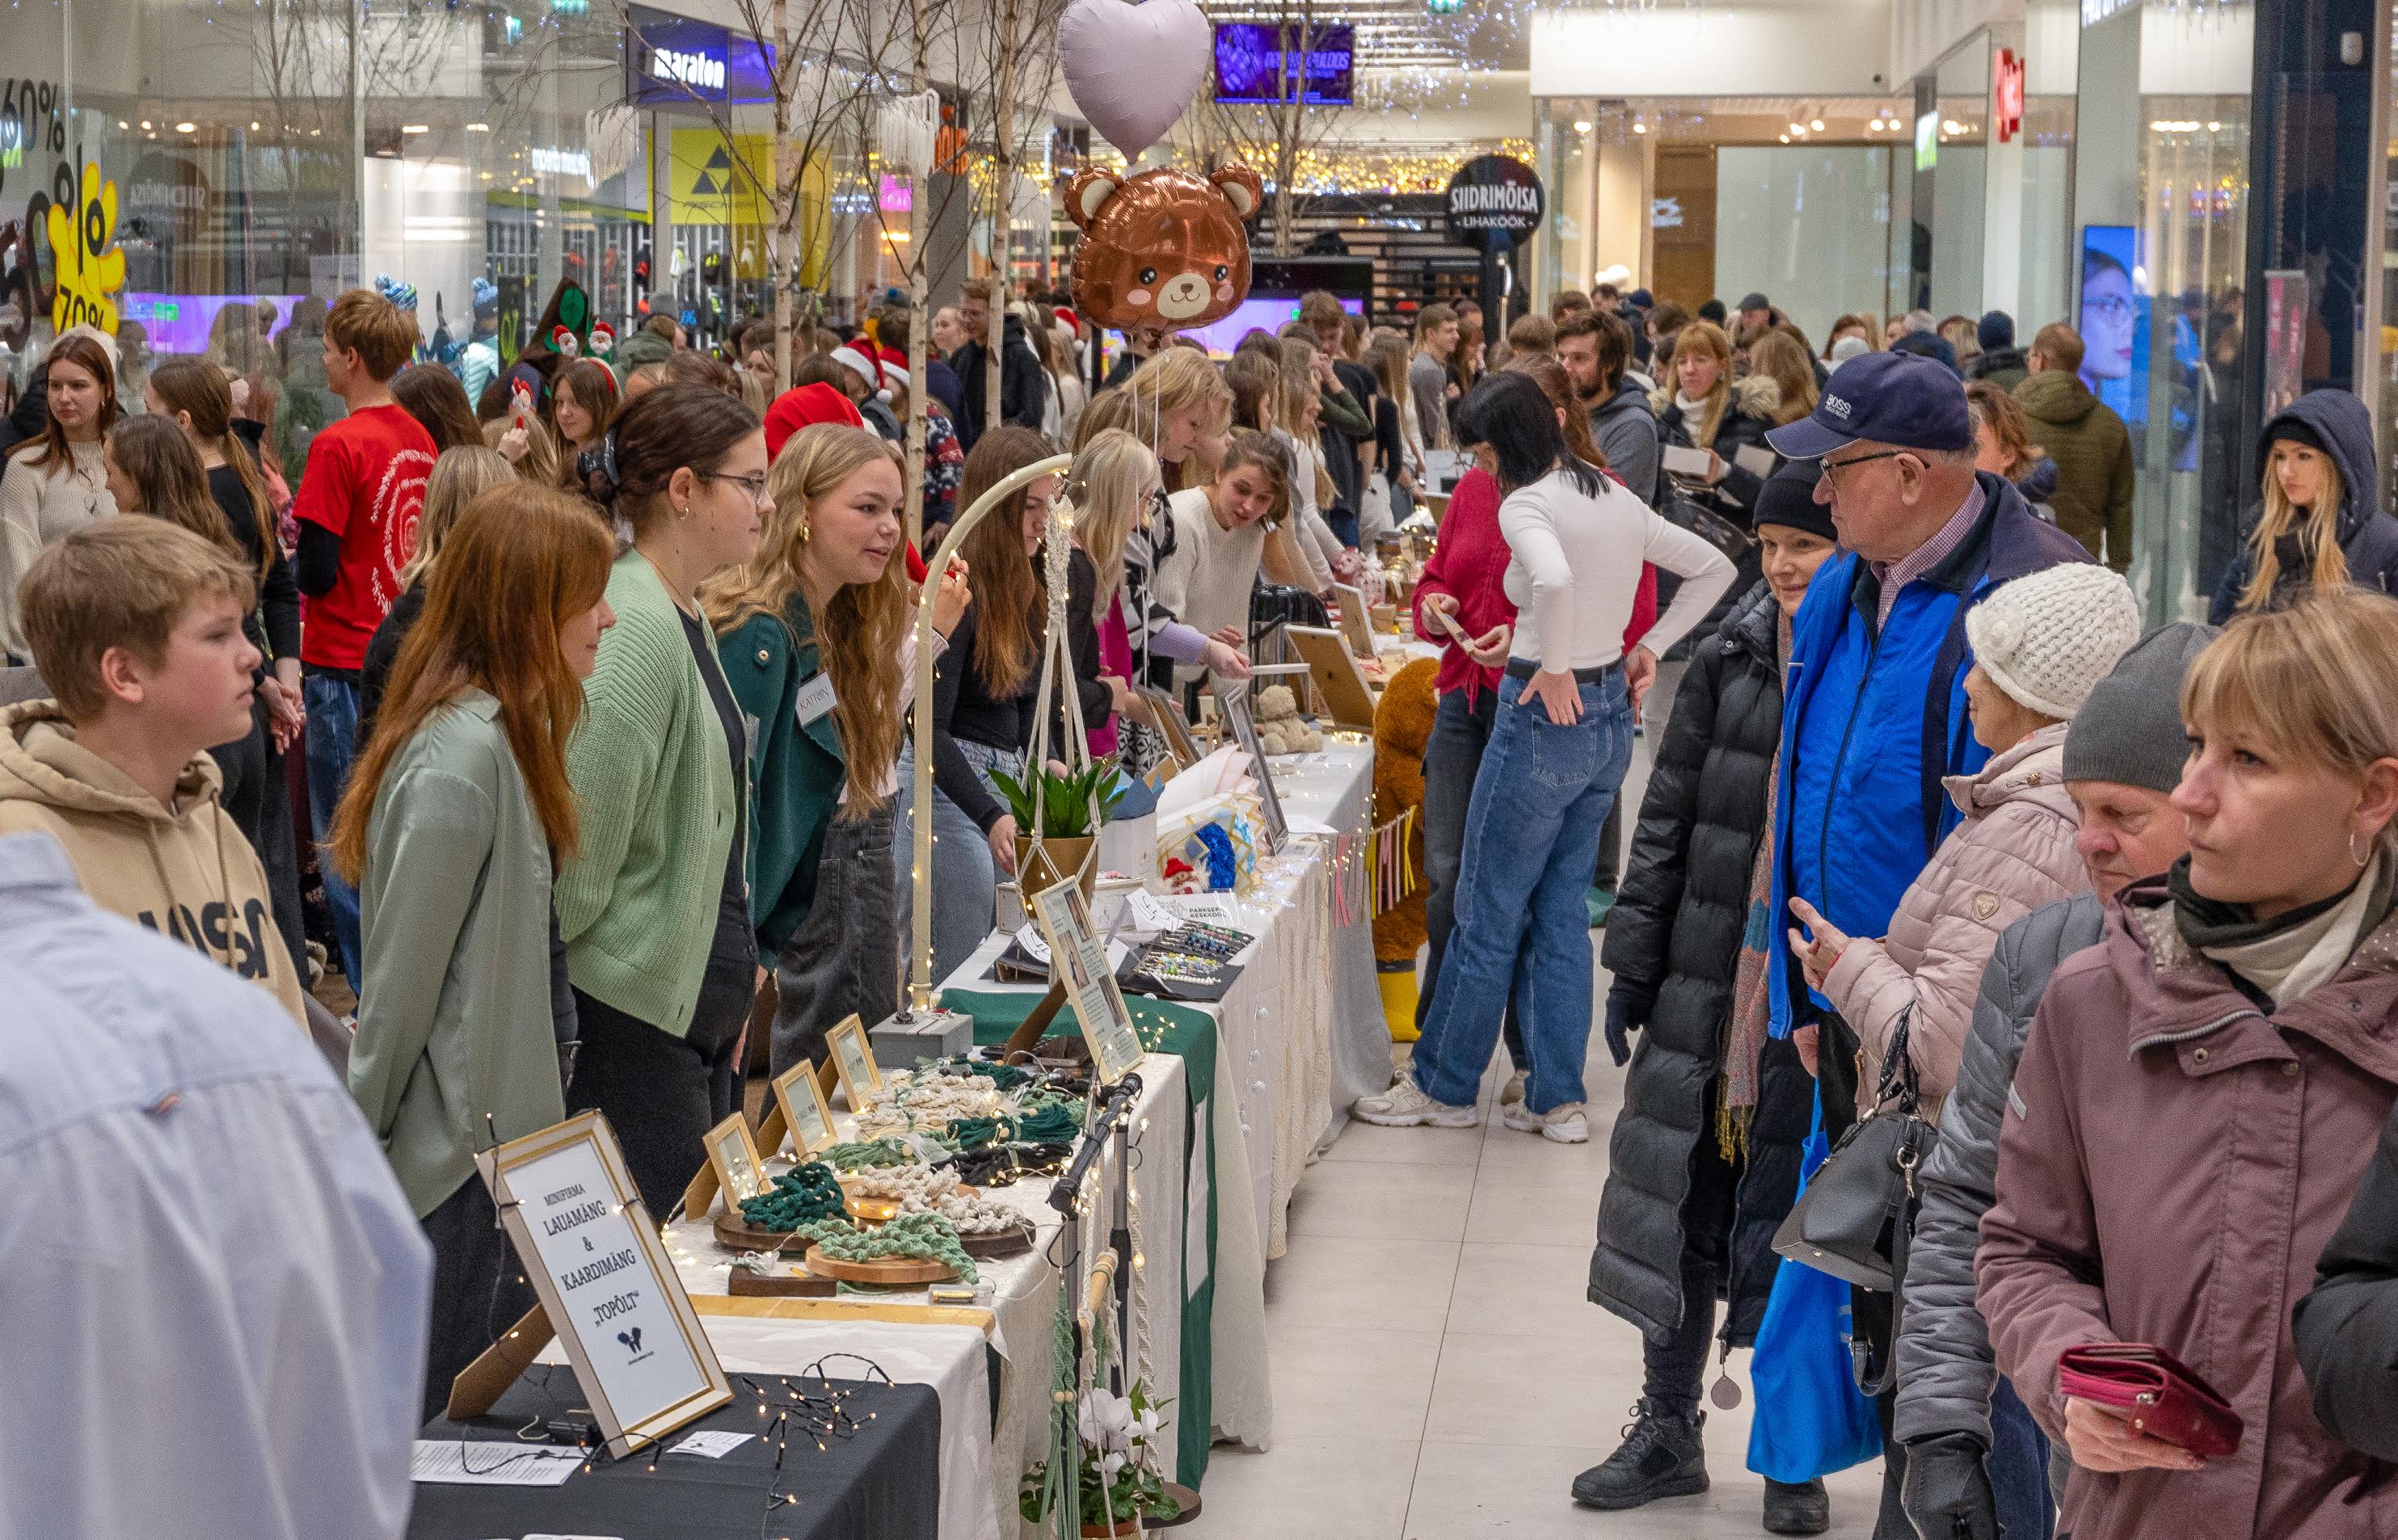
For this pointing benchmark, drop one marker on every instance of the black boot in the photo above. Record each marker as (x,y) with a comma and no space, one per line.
(1802,1510)
(1661,1457)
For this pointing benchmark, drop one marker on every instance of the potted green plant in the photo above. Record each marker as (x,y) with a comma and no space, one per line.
(1118,1436)
(1072,807)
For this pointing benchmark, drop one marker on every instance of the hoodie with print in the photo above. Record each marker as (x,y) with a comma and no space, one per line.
(185,872)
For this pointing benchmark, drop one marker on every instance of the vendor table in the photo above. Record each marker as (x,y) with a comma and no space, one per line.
(874,1482)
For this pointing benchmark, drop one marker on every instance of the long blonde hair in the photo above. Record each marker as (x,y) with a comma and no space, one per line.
(858,635)
(1175,378)
(460,475)
(1111,482)
(1707,338)
(2312,678)
(1779,357)
(2317,529)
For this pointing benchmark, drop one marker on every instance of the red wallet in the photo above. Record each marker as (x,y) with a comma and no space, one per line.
(2160,1395)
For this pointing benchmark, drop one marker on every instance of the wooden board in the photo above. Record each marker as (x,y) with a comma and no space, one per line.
(801,1286)
(891,1271)
(1006,1243)
(736,1233)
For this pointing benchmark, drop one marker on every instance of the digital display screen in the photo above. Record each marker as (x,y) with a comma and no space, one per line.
(2113,319)
(1220,337)
(181,323)
(1251,55)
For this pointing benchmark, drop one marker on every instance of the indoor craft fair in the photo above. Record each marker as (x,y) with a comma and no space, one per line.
(1365,770)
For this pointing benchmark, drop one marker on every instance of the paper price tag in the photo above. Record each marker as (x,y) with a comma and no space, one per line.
(711,1446)
(1148,914)
(1031,939)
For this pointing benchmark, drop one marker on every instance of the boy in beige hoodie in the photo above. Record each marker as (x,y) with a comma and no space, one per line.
(135,625)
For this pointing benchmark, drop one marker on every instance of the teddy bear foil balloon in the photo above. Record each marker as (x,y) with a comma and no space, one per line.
(1165,249)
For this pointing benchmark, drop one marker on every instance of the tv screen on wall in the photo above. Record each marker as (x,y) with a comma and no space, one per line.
(1251,57)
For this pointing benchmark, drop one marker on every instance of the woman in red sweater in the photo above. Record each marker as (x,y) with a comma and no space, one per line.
(1465,582)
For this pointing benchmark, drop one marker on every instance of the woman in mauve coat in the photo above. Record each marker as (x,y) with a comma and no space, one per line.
(2201,1090)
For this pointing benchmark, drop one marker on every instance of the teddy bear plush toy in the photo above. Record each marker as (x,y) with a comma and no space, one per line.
(1402,727)
(1280,728)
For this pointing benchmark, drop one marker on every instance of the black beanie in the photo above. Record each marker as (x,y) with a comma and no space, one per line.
(1788,499)
(2297,431)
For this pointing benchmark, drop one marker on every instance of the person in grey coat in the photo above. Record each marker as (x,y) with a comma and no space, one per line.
(1975,1461)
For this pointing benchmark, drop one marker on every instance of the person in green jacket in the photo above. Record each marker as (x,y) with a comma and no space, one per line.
(2089,443)
(831,702)
(654,908)
(454,816)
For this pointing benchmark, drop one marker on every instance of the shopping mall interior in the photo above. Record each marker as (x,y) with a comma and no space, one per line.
(1245,1309)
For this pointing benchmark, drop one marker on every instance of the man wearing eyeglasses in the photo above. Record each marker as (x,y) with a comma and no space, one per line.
(2091,448)
(1874,711)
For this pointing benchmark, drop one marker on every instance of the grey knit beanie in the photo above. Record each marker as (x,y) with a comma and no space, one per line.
(2130,729)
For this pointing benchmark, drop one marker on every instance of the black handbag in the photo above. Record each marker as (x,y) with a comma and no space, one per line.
(1857,1215)
(1678,505)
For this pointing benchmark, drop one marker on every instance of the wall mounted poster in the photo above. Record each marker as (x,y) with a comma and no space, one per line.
(593,1254)
(1090,983)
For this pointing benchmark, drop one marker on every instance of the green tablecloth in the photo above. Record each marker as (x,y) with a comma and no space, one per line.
(1190,1035)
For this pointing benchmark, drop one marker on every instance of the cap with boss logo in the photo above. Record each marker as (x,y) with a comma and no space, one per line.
(1895,399)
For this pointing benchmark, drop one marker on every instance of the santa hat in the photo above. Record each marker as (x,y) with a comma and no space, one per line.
(1067,319)
(851,357)
(803,406)
(894,375)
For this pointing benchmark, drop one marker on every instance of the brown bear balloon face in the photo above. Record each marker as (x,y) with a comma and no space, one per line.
(1165,249)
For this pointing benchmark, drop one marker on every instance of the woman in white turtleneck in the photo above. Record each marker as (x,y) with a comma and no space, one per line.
(58,483)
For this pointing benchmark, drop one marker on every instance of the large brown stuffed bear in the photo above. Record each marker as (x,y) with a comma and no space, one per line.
(1402,727)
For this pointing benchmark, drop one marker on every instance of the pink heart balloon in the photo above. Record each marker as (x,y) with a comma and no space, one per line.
(1132,69)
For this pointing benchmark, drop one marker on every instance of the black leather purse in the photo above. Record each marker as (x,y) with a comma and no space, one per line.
(1857,1215)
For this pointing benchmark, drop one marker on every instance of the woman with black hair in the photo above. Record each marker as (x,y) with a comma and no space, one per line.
(1558,754)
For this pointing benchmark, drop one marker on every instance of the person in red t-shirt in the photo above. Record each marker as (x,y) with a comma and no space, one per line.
(357,507)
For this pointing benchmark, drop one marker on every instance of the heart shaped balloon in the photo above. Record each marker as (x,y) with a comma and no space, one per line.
(1132,69)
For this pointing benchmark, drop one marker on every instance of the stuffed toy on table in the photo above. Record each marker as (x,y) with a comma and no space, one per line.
(1402,726)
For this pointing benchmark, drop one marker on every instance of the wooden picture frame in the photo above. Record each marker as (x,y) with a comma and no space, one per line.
(1333,668)
(805,1116)
(853,1061)
(1179,744)
(1079,962)
(1356,620)
(732,1157)
(595,1258)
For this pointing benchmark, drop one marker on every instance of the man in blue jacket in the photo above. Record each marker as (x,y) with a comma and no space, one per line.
(1874,711)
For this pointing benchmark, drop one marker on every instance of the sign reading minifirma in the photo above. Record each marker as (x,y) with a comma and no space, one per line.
(1494,202)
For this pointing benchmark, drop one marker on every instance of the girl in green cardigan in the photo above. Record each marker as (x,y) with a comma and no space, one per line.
(654,908)
(830,704)
(454,815)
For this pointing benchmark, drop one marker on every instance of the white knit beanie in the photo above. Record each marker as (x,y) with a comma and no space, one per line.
(2047,639)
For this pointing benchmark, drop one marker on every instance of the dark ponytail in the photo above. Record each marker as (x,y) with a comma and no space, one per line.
(670,429)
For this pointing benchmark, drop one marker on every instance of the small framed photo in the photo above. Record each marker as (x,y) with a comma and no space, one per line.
(595,1258)
(853,1061)
(733,1156)
(1081,965)
(807,1113)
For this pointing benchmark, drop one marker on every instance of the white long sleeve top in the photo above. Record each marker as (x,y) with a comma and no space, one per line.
(1575,569)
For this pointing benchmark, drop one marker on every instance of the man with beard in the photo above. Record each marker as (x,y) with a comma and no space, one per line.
(1596,351)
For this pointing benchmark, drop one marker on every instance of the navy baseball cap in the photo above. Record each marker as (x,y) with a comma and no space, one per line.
(1896,398)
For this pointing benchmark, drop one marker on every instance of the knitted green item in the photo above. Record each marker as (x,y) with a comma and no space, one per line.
(1054,1123)
(973,1133)
(1005,1077)
(923,1237)
(870,1152)
(804,1195)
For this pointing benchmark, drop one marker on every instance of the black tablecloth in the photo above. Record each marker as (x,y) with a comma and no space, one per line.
(883,1481)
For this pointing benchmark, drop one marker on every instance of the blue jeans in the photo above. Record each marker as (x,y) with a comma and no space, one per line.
(2018,1467)
(1531,836)
(966,878)
(1452,758)
(331,742)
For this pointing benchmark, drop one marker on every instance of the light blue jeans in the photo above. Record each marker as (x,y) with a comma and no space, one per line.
(1523,930)
(331,742)
(966,878)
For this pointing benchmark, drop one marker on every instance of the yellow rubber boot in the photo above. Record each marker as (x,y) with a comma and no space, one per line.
(1398,985)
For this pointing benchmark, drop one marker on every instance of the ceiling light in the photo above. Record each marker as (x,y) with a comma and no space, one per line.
(415,128)
(2215,128)
(145,123)
(122,124)
(254,127)
(1817,124)
(1581,125)
(1786,139)
(1640,127)
(479,128)
(187,128)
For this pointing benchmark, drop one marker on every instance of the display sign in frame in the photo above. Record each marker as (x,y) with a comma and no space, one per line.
(1078,960)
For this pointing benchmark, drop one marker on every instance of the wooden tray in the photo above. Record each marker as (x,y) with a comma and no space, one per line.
(874,1211)
(746,1283)
(1006,1243)
(735,1233)
(889,1271)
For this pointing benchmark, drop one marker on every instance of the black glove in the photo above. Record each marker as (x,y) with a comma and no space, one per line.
(1946,1494)
(1627,1009)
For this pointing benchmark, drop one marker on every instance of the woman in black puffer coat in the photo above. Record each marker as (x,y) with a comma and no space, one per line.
(1703,1163)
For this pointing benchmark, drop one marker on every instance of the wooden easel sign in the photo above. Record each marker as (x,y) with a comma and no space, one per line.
(593,1255)
(1079,962)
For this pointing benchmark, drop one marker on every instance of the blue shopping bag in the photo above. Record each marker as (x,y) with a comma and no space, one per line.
(1812,1419)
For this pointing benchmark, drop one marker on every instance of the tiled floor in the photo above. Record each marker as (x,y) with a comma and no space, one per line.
(1438,1374)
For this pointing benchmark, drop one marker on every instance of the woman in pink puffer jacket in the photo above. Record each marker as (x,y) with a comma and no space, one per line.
(2040,643)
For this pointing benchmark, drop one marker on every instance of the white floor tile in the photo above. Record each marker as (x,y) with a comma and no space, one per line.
(1344,1280)
(1308,1488)
(1372,1201)
(1347,1382)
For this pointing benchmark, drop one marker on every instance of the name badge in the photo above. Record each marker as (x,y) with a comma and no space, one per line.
(814,698)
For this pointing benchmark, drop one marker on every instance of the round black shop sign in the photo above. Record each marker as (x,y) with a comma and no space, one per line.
(1494,202)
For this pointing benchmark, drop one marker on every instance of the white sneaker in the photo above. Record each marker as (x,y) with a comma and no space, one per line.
(1513,1091)
(1564,1125)
(1405,1107)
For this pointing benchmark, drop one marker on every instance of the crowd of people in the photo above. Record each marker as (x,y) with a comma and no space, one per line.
(597,673)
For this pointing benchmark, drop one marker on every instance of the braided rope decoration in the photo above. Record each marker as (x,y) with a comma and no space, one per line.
(863,1155)
(804,1195)
(909,1238)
